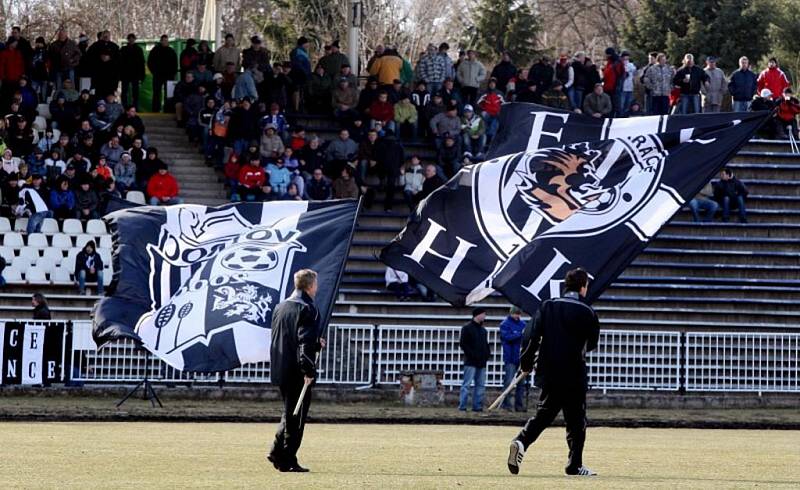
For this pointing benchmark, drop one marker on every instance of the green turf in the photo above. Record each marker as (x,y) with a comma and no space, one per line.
(224,455)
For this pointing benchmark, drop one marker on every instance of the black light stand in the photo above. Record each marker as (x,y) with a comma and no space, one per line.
(148,393)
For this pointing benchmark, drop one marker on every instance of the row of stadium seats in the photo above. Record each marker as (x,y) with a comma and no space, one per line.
(30,256)
(38,241)
(50,226)
(59,276)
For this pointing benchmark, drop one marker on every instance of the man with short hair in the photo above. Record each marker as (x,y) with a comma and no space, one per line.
(564,330)
(716,88)
(163,64)
(475,345)
(295,343)
(774,79)
(227,53)
(742,86)
(131,71)
(471,74)
(658,80)
(690,79)
(511,332)
(598,103)
(728,192)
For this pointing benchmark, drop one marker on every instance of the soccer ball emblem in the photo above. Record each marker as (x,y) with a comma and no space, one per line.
(250,258)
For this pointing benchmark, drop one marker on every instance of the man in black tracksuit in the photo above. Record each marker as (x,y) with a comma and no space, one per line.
(295,343)
(564,330)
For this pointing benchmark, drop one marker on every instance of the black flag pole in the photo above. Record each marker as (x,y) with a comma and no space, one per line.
(324,329)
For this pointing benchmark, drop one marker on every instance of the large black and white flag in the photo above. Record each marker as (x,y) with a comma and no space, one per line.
(594,204)
(525,127)
(197,285)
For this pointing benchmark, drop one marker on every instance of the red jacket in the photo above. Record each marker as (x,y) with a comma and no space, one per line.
(381,111)
(232,167)
(252,177)
(788,109)
(775,80)
(162,186)
(612,72)
(490,103)
(12,65)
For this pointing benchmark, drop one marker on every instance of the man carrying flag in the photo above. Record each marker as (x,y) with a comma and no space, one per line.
(295,344)
(564,330)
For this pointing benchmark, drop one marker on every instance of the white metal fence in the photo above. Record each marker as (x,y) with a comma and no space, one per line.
(762,362)
(363,354)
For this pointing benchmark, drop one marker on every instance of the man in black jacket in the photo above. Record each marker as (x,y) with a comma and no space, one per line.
(729,192)
(163,64)
(564,330)
(475,345)
(295,343)
(131,71)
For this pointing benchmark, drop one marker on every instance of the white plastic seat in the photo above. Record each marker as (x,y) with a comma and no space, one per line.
(105,242)
(21,224)
(50,226)
(105,254)
(82,240)
(43,110)
(8,254)
(46,264)
(12,275)
(13,239)
(5,225)
(37,240)
(69,262)
(35,275)
(135,196)
(40,123)
(27,256)
(61,276)
(55,254)
(96,227)
(72,227)
(107,276)
(62,241)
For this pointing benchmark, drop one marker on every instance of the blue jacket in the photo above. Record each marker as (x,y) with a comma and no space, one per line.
(743,85)
(511,335)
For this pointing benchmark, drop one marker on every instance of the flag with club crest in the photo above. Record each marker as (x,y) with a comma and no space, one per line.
(197,285)
(517,222)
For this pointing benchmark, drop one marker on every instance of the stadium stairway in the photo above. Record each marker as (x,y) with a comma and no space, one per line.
(199,183)
(712,276)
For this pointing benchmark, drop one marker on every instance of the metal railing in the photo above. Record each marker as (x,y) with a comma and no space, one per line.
(365,354)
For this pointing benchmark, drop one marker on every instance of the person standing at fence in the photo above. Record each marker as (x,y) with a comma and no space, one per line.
(564,330)
(475,344)
(295,344)
(40,309)
(511,330)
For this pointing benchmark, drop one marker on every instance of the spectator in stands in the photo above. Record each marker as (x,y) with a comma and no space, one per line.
(556,98)
(340,151)
(245,85)
(10,195)
(47,142)
(163,188)
(389,154)
(728,191)
(105,74)
(431,69)
(387,67)
(100,121)
(413,179)
(36,163)
(318,187)
(102,170)
(132,72)
(451,96)
(271,145)
(54,164)
(147,168)
(333,62)
(691,79)
(252,178)
(474,342)
(345,186)
(163,64)
(489,104)
(397,282)
(312,156)
(658,80)
(716,88)
(33,204)
(64,58)
(564,73)
(20,137)
(279,176)
(773,78)
(742,86)
(63,115)
(503,72)
(432,182)
(292,193)
(86,200)
(112,151)
(405,118)
(183,90)
(598,103)
(704,203)
(445,123)
(511,333)
(62,199)
(473,132)
(471,74)
(367,95)
(89,267)
(636,110)
(40,309)
(125,173)
(227,53)
(381,111)
(788,108)
(627,83)
(344,100)
(12,69)
(301,69)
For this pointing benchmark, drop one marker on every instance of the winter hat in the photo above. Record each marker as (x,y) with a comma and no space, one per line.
(218,76)
(468,108)
(302,40)
(477,311)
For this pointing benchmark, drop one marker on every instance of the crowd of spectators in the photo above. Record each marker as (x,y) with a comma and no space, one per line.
(69,153)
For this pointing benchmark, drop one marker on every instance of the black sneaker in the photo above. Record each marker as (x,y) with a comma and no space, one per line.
(296,468)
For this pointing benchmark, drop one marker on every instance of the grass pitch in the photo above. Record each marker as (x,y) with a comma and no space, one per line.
(228,455)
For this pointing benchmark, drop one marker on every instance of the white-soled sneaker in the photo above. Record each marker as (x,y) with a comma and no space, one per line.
(515,454)
(583,471)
